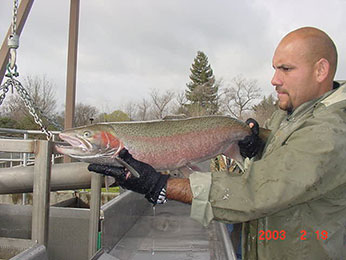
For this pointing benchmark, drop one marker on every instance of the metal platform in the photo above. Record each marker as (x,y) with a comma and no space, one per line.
(167,232)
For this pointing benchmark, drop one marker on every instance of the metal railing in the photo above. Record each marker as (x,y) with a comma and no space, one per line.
(44,157)
(12,159)
(40,212)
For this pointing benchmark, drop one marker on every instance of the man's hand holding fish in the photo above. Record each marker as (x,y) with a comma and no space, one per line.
(150,182)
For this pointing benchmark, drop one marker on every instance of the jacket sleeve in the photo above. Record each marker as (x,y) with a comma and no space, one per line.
(308,164)
(201,209)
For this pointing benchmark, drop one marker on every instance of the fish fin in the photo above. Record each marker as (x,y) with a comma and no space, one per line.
(185,171)
(264,134)
(109,181)
(175,173)
(106,183)
(203,166)
(234,152)
(129,167)
(194,168)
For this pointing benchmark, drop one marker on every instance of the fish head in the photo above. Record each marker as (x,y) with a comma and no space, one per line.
(90,142)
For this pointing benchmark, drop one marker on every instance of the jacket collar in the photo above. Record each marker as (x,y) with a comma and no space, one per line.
(303,108)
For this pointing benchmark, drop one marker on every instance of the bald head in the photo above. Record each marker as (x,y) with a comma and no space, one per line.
(305,65)
(315,45)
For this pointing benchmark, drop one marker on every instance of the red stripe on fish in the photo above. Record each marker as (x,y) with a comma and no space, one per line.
(167,152)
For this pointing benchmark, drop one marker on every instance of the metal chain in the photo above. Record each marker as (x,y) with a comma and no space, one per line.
(52,122)
(13,40)
(24,95)
(14,18)
(4,88)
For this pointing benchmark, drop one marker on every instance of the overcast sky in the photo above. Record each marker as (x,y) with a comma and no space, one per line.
(127,48)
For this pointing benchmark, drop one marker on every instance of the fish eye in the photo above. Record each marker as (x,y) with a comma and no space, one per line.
(86,134)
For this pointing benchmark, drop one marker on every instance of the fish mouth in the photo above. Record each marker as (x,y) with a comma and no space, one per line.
(74,145)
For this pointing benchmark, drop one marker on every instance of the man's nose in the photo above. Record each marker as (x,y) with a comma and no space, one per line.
(276,80)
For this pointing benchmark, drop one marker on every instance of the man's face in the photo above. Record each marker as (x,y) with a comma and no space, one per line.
(294,77)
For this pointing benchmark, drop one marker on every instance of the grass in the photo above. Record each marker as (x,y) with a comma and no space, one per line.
(112,189)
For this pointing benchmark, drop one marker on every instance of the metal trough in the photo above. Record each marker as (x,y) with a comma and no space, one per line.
(36,252)
(132,229)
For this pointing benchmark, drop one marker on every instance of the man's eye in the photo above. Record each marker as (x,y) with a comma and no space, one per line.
(286,68)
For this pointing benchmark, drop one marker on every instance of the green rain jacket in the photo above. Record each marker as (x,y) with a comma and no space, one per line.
(293,200)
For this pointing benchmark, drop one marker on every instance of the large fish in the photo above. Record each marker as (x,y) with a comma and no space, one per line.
(164,144)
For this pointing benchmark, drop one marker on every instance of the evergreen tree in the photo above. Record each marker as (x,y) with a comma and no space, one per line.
(202,92)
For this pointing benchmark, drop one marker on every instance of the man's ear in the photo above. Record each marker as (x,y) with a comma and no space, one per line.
(322,69)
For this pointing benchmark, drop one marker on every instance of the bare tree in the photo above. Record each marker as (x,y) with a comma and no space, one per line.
(181,98)
(131,110)
(143,109)
(42,95)
(240,96)
(160,102)
(180,102)
(84,114)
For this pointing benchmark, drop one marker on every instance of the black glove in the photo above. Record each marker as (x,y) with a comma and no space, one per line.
(151,183)
(251,144)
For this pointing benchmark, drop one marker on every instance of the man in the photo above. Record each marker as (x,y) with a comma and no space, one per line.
(292,198)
